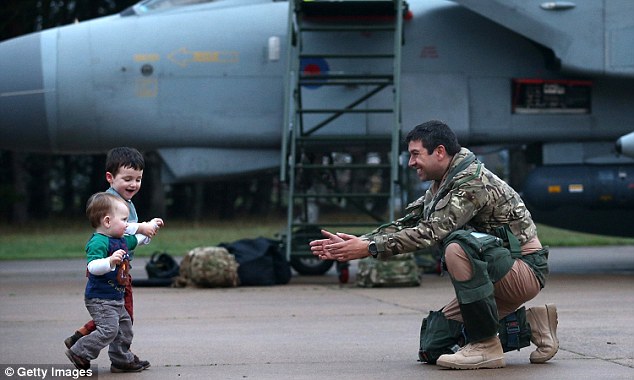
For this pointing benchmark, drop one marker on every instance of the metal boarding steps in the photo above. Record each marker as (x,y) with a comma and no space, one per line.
(342,117)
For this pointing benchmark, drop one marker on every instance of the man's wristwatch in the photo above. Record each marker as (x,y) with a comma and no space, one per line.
(374,251)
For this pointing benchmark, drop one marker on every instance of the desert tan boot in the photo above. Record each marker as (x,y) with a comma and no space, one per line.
(485,354)
(543,321)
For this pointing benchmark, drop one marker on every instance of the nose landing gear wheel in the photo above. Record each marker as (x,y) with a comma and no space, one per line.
(310,266)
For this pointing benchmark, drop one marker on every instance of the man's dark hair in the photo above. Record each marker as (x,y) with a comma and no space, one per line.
(434,133)
(124,157)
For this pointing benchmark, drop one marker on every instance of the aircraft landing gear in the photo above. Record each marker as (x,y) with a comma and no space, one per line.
(310,266)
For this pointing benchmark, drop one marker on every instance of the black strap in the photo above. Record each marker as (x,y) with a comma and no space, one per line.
(468,160)
(504,232)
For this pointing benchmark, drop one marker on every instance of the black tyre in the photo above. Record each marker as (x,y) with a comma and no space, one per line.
(310,266)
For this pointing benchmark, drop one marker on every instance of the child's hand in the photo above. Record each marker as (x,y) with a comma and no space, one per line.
(150,228)
(158,222)
(116,258)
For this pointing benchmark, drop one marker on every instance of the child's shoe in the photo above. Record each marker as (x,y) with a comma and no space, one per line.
(78,361)
(71,340)
(129,367)
(144,363)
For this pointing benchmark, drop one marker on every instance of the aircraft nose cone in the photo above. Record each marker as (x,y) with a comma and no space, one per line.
(619,146)
(625,145)
(23,124)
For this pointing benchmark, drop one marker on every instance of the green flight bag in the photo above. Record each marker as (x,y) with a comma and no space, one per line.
(439,335)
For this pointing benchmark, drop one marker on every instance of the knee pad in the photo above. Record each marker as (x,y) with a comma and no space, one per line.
(485,248)
(475,295)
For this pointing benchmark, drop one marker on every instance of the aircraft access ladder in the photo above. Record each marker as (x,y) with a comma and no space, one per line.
(341,143)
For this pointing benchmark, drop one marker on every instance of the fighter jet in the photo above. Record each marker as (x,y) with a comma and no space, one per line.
(207,85)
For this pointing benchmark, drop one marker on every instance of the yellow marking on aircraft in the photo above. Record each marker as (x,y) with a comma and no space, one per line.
(146,57)
(147,88)
(575,188)
(184,57)
(554,189)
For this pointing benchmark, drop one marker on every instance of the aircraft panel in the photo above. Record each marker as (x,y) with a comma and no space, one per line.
(194,164)
(620,35)
(449,38)
(610,94)
(22,93)
(579,48)
(582,153)
(77,122)
(436,96)
(490,109)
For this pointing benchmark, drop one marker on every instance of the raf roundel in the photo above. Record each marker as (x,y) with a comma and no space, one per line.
(314,66)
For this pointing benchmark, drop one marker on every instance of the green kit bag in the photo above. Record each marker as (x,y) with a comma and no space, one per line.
(400,270)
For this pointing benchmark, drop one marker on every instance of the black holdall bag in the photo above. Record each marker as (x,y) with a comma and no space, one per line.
(161,270)
(261,260)
(161,265)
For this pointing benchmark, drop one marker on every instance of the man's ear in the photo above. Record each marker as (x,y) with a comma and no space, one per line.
(441,151)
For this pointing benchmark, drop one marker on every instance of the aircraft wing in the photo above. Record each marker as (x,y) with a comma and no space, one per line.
(596,39)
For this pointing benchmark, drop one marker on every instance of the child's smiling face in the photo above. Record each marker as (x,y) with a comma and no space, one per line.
(127,181)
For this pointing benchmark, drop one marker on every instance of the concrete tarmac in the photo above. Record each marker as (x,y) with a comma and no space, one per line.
(313,328)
